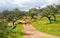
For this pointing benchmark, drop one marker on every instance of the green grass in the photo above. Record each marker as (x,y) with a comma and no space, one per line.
(16,33)
(18,27)
(44,26)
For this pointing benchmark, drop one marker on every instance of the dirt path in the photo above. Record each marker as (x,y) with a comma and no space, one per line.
(33,33)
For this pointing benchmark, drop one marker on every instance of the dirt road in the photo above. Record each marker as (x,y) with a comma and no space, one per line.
(33,33)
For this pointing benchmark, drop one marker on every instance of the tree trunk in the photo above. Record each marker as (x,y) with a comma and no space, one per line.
(34,18)
(49,18)
(54,17)
(13,23)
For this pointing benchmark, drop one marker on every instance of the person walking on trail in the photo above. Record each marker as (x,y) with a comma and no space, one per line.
(27,22)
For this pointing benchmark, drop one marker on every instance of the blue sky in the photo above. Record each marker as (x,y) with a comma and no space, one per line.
(25,4)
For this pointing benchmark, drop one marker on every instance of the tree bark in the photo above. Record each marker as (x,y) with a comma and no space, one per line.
(13,23)
(49,18)
(54,17)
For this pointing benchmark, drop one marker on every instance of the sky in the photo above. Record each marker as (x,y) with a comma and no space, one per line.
(25,4)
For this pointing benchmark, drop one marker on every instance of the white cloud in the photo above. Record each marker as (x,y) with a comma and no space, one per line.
(20,1)
(2,3)
(26,4)
(43,6)
(51,1)
(34,3)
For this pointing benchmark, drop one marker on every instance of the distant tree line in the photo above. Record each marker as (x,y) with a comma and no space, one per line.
(48,11)
(16,14)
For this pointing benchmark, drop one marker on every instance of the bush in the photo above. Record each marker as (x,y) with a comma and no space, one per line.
(3,29)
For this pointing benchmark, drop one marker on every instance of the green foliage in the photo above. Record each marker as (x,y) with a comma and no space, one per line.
(16,14)
(3,29)
(16,33)
(7,32)
(48,28)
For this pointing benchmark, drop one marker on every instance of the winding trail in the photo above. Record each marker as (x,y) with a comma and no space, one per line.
(33,33)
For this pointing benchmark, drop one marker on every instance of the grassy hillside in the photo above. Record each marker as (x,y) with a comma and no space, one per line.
(16,33)
(43,26)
